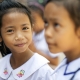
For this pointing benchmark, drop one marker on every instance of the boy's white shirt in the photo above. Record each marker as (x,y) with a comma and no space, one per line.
(65,71)
(36,68)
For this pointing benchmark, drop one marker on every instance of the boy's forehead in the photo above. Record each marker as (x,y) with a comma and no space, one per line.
(52,10)
(53,7)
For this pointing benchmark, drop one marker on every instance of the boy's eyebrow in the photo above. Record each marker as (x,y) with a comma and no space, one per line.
(52,19)
(25,24)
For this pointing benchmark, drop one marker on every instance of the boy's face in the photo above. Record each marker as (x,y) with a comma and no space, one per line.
(59,29)
(16,31)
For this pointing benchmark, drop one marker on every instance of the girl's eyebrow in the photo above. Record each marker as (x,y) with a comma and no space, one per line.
(9,27)
(14,26)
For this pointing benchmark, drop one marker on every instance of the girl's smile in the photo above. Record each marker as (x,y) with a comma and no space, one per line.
(20,44)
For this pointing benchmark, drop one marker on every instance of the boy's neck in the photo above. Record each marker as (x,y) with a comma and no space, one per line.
(72,55)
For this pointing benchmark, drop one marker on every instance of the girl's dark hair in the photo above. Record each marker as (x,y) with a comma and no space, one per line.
(73,8)
(8,6)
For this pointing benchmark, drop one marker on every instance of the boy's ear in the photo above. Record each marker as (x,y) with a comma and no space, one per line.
(78,32)
(0,39)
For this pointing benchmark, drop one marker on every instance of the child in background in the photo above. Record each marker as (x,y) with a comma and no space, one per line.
(16,35)
(39,43)
(62,31)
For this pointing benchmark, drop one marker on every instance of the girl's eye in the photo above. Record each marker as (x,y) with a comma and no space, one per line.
(9,31)
(25,28)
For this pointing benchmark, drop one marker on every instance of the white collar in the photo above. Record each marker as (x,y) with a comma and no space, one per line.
(71,68)
(5,69)
(24,71)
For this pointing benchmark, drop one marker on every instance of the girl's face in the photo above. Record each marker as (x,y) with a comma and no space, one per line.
(59,29)
(16,31)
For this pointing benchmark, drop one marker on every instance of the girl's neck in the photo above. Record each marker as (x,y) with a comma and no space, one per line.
(19,59)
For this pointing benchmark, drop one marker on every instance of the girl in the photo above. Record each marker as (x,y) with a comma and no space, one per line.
(62,31)
(16,35)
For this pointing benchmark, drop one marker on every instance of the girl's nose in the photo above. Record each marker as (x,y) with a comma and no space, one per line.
(19,37)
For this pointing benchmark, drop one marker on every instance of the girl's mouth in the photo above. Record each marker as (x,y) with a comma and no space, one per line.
(20,45)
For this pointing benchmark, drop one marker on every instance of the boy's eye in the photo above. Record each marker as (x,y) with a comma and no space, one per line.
(25,28)
(46,24)
(56,25)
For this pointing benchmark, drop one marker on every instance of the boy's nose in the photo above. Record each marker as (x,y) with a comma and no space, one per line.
(48,32)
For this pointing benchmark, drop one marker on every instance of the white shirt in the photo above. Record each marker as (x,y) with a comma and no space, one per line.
(41,44)
(67,71)
(36,68)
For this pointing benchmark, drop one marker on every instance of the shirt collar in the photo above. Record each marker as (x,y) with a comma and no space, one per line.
(71,67)
(5,69)
(26,70)
(31,66)
(60,65)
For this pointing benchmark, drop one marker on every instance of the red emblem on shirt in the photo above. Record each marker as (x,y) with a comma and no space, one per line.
(5,71)
(21,73)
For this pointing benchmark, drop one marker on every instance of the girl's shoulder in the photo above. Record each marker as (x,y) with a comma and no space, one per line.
(43,73)
(42,66)
(4,59)
(8,55)
(3,66)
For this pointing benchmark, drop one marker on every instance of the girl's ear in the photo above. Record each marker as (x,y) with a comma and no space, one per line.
(78,32)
